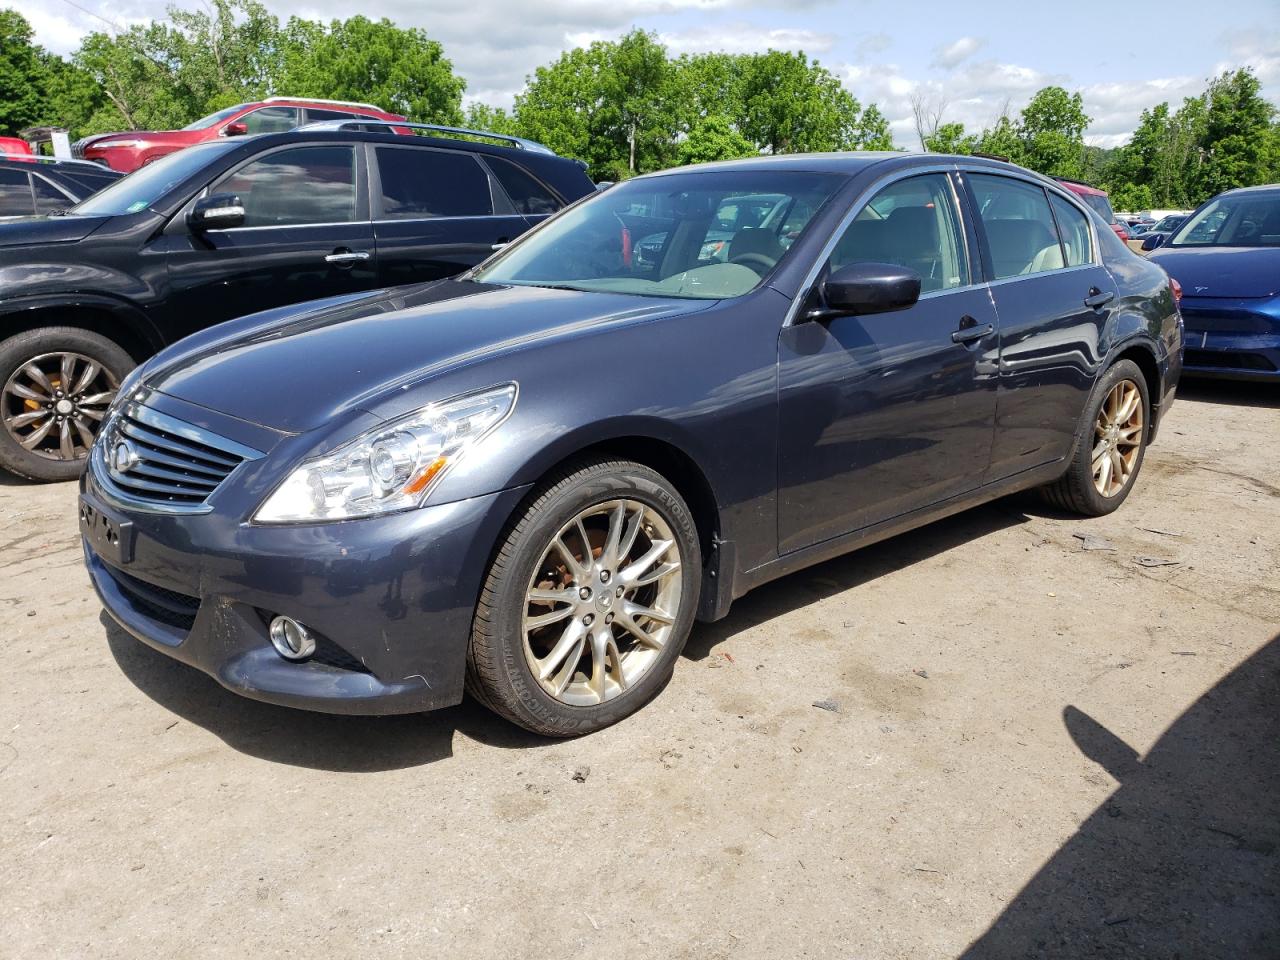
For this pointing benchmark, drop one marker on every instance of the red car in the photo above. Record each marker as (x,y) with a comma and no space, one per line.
(1099,201)
(128,151)
(15,146)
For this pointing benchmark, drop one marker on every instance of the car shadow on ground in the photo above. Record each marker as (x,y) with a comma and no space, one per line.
(1235,393)
(1183,859)
(367,744)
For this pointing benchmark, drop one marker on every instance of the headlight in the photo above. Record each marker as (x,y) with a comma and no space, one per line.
(390,468)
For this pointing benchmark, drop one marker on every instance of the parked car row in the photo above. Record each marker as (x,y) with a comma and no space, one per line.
(528,480)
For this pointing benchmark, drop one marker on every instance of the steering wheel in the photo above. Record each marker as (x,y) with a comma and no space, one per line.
(758,262)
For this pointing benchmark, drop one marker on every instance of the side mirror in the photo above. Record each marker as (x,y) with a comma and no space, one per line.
(218,211)
(1153,241)
(864,288)
(237,129)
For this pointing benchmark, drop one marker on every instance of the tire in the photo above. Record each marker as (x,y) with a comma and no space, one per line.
(1077,490)
(46,461)
(502,657)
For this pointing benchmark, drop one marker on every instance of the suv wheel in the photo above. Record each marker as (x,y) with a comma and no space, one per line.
(1110,445)
(55,386)
(588,602)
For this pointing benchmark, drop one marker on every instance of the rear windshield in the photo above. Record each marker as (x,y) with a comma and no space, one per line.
(145,186)
(1242,220)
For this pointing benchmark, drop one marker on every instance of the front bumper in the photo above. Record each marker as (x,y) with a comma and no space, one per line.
(390,598)
(1232,339)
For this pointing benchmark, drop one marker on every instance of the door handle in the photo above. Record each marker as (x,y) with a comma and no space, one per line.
(347,257)
(971,330)
(1098,299)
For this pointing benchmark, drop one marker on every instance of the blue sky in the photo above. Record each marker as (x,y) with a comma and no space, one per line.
(969,59)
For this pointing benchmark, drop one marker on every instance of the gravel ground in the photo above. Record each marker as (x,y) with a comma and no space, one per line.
(1027,744)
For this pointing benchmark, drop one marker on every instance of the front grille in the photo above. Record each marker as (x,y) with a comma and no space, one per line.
(332,655)
(167,606)
(155,458)
(1227,360)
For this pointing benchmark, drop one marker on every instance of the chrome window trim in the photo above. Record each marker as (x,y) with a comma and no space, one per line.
(869,194)
(288,226)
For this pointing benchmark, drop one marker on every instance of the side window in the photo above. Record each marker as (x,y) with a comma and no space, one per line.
(315,115)
(48,197)
(1018,224)
(271,119)
(15,194)
(528,195)
(911,223)
(297,186)
(1075,231)
(419,183)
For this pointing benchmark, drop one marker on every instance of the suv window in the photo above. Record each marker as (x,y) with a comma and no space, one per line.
(528,195)
(419,183)
(315,115)
(1074,229)
(1019,226)
(15,194)
(48,197)
(297,186)
(912,223)
(271,119)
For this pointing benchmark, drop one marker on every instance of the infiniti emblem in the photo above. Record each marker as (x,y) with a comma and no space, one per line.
(124,458)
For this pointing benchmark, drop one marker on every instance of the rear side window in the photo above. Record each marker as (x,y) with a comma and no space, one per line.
(417,184)
(48,197)
(297,186)
(528,195)
(1075,232)
(15,194)
(271,119)
(315,116)
(1020,229)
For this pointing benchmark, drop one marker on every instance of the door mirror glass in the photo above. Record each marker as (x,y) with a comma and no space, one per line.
(218,211)
(865,288)
(237,129)
(1153,241)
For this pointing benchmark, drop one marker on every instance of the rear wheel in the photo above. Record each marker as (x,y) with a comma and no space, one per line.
(1110,445)
(588,602)
(55,386)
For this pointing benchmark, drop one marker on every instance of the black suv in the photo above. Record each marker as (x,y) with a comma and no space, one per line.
(236,226)
(36,186)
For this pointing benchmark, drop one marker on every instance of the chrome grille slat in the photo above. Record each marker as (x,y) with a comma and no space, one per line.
(158,461)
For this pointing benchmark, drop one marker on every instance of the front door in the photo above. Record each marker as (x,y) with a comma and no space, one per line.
(306,235)
(884,414)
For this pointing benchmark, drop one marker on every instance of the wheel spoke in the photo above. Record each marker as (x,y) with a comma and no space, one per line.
(98,399)
(599,640)
(1131,401)
(23,419)
(67,372)
(625,621)
(546,619)
(66,447)
(36,375)
(571,637)
(1117,468)
(634,610)
(651,556)
(32,440)
(579,569)
(1099,450)
(1104,476)
(614,657)
(86,435)
(26,393)
(90,373)
(613,539)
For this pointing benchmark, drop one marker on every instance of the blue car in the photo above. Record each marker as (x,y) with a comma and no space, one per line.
(529,481)
(1226,256)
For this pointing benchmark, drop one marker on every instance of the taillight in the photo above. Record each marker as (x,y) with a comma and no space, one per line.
(1176,287)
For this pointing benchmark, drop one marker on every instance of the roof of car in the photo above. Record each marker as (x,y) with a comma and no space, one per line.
(846,162)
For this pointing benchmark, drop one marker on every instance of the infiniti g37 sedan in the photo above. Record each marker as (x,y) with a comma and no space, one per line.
(530,480)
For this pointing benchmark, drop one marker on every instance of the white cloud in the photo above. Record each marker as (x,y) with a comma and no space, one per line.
(746,38)
(953,54)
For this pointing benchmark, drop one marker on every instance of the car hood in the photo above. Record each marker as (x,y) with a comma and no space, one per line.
(1227,272)
(29,231)
(294,369)
(143,136)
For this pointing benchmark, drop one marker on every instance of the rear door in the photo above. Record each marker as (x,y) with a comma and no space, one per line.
(306,235)
(436,213)
(885,414)
(1053,298)
(531,197)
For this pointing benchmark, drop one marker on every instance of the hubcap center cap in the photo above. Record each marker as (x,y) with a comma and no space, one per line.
(604,601)
(64,406)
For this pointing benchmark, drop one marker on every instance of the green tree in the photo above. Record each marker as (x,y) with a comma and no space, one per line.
(1238,126)
(23,74)
(1052,133)
(950,138)
(792,105)
(713,138)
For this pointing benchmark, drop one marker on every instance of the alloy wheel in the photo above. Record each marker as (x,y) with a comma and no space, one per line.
(53,403)
(602,602)
(1117,438)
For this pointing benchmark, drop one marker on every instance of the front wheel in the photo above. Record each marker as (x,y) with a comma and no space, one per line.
(1110,445)
(55,386)
(588,602)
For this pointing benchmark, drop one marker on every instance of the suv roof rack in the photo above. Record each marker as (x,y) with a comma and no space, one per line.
(336,103)
(520,143)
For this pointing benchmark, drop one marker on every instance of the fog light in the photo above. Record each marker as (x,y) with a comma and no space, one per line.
(291,639)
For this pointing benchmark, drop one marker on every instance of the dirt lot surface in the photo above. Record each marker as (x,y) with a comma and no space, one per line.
(1031,745)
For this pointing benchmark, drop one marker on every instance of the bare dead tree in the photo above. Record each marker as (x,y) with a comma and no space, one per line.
(927,107)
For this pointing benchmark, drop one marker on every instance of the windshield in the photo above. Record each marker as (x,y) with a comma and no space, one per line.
(690,235)
(1239,220)
(148,184)
(1168,223)
(204,123)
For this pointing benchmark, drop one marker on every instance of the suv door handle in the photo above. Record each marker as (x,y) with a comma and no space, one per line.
(970,330)
(1097,298)
(347,257)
